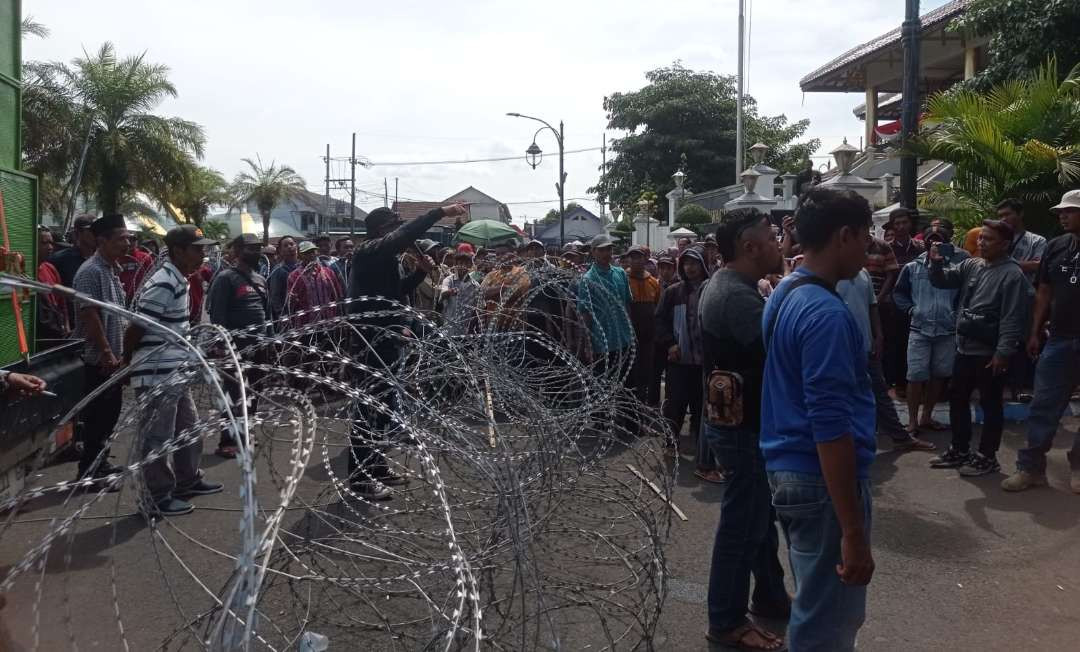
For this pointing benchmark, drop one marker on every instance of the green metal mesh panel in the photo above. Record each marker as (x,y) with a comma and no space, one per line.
(10,20)
(9,125)
(20,210)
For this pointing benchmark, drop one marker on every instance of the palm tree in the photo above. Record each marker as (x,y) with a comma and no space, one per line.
(202,188)
(131,149)
(30,27)
(267,187)
(1019,139)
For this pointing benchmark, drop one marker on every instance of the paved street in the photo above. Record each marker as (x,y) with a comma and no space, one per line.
(960,564)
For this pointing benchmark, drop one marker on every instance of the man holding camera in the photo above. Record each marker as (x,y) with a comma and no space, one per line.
(991,324)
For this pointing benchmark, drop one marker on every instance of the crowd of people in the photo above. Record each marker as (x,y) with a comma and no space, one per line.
(782,349)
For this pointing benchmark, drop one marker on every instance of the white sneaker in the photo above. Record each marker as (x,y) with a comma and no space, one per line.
(1022,480)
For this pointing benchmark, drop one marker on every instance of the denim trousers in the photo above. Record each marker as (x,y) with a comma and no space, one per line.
(827,614)
(746,539)
(1056,376)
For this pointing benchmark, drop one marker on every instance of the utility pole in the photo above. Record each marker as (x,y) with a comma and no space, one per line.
(352,189)
(386,193)
(909,116)
(326,198)
(395,189)
(603,172)
(739,156)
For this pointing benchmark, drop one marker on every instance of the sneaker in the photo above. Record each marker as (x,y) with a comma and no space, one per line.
(372,490)
(1074,481)
(200,488)
(228,452)
(950,459)
(1022,480)
(391,479)
(979,464)
(169,507)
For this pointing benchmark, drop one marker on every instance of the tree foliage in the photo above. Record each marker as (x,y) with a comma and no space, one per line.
(202,188)
(131,148)
(682,111)
(267,186)
(552,216)
(1019,139)
(1023,34)
(693,214)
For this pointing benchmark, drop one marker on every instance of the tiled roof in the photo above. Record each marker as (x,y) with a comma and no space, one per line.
(930,20)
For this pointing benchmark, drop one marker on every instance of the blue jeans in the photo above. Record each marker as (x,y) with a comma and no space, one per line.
(826,614)
(746,539)
(1056,375)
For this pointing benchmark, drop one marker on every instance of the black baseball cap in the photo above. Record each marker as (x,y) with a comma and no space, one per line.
(381,217)
(186,235)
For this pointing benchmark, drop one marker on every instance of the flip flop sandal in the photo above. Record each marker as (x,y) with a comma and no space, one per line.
(734,639)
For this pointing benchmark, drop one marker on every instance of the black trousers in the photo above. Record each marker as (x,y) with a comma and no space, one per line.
(970,373)
(99,417)
(370,425)
(685,386)
(896,327)
(660,364)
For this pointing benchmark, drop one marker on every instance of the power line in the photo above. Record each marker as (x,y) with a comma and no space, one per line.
(473,160)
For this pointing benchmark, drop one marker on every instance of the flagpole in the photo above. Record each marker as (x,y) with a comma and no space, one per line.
(739,155)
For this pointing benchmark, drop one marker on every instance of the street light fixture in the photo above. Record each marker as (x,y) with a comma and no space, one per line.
(534,155)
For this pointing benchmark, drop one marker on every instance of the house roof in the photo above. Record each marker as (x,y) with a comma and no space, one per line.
(504,210)
(410,210)
(830,77)
(337,206)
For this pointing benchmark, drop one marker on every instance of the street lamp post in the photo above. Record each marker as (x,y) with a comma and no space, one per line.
(909,115)
(533,156)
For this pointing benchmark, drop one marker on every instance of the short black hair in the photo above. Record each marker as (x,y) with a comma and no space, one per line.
(732,226)
(320,238)
(1016,205)
(341,241)
(284,238)
(825,211)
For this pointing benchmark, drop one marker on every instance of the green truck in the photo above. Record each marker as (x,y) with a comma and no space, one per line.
(25,425)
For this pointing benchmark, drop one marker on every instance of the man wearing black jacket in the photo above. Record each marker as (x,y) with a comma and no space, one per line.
(376,275)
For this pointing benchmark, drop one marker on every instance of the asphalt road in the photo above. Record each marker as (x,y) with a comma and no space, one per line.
(961,565)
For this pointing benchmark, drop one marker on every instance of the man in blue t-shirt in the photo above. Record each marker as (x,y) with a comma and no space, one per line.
(817,424)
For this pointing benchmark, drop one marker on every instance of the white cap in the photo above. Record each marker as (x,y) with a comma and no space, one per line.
(1070,199)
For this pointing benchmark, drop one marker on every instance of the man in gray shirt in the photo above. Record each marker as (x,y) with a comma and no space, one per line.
(858,294)
(992,320)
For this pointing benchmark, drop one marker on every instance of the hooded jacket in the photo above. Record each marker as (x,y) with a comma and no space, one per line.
(677,319)
(999,288)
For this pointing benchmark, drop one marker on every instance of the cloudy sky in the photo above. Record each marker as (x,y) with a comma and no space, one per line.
(432,80)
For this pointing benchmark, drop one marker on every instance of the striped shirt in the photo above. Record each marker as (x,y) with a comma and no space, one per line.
(98,278)
(164,299)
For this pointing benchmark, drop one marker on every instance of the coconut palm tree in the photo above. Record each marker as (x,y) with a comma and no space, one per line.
(30,27)
(1019,139)
(267,186)
(131,149)
(202,188)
